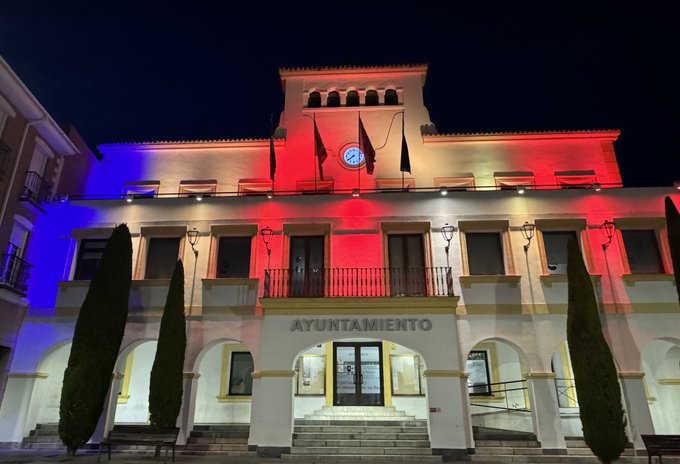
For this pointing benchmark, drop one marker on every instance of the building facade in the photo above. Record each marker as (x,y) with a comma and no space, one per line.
(437,293)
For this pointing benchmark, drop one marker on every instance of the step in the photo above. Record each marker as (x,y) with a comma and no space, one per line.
(203,440)
(358,429)
(362,422)
(190,452)
(507,450)
(511,443)
(215,447)
(364,450)
(358,457)
(362,442)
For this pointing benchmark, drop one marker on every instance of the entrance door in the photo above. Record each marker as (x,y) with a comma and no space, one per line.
(306,266)
(358,374)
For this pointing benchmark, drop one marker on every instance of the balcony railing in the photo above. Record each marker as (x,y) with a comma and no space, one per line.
(14,272)
(357,282)
(36,189)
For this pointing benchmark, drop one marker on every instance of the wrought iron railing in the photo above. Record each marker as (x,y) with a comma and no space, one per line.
(566,393)
(358,282)
(36,189)
(511,395)
(14,272)
(5,152)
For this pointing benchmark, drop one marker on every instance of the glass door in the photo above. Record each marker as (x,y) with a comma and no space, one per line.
(306,266)
(358,374)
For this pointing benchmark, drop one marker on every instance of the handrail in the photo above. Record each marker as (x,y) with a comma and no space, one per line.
(358,282)
(566,390)
(502,394)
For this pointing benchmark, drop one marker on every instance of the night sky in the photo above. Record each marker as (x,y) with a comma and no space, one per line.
(123,71)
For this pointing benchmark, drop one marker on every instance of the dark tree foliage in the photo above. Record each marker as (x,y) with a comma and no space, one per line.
(595,378)
(96,341)
(165,389)
(673,224)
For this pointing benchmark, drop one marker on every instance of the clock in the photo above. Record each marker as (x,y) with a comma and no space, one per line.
(352,156)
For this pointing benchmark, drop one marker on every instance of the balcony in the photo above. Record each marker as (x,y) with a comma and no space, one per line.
(358,282)
(14,273)
(5,152)
(36,190)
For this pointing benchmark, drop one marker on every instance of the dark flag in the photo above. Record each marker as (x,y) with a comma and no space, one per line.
(319,150)
(405,165)
(366,147)
(272,153)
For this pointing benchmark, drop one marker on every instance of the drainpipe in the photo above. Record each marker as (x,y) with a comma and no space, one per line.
(12,177)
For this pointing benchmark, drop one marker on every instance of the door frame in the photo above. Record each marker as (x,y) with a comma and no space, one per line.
(357,356)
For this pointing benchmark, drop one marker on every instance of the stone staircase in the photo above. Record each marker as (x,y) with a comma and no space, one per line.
(223,439)
(45,437)
(360,434)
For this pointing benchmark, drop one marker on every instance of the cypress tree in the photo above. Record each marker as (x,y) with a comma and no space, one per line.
(96,342)
(165,389)
(673,224)
(595,378)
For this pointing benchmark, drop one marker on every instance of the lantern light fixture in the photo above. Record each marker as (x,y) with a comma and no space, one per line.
(607,228)
(528,231)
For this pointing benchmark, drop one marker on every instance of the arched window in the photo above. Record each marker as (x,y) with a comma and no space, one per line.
(314,100)
(391,97)
(352,98)
(333,99)
(371,98)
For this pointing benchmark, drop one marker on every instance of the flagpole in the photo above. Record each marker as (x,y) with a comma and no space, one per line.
(271,135)
(402,134)
(314,153)
(359,140)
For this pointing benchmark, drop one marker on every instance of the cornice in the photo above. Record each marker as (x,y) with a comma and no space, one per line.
(605,134)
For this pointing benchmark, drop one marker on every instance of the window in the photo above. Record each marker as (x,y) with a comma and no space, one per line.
(141,189)
(395,185)
(391,97)
(89,254)
(406,370)
(555,244)
(406,264)
(233,257)
(333,99)
(371,98)
(459,182)
(240,370)
(485,253)
(255,187)
(162,255)
(314,100)
(310,187)
(511,180)
(477,366)
(575,179)
(311,374)
(197,188)
(352,98)
(642,251)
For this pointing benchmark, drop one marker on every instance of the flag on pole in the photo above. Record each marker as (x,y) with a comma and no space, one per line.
(272,153)
(319,150)
(405,165)
(366,147)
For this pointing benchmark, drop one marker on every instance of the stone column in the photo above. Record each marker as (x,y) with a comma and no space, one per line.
(545,412)
(449,418)
(254,410)
(108,416)
(14,413)
(637,408)
(185,421)
(271,427)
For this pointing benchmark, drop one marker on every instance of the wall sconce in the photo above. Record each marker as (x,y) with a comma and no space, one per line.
(193,235)
(597,187)
(270,194)
(266,233)
(676,185)
(355,193)
(129,197)
(443,191)
(528,233)
(521,189)
(607,228)
(199,197)
(447,233)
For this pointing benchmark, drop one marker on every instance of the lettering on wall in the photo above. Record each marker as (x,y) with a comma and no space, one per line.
(410,324)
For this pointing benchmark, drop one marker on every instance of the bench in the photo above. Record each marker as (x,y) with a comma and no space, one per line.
(658,445)
(140,435)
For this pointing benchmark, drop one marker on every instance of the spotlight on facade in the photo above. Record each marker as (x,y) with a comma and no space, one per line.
(270,194)
(63,198)
(597,187)
(521,189)
(676,185)
(528,233)
(607,228)
(129,197)
(355,193)
(443,191)
(199,197)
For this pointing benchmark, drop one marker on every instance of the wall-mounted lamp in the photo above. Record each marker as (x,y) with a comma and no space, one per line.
(676,185)
(199,197)
(355,193)
(270,194)
(266,233)
(193,235)
(597,187)
(443,191)
(129,197)
(607,228)
(521,189)
(528,233)
(447,233)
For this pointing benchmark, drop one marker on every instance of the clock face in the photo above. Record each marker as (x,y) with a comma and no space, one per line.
(352,156)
